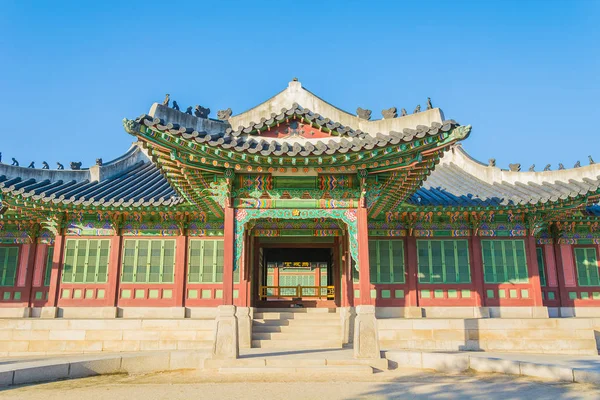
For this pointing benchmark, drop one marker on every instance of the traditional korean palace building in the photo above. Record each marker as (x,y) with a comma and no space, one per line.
(298,204)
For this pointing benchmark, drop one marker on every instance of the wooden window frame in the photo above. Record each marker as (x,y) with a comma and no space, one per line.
(134,274)
(376,277)
(86,265)
(4,265)
(495,242)
(443,260)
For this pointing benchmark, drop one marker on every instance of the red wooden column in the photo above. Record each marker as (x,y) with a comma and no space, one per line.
(114,269)
(228,254)
(533,272)
(364,273)
(346,272)
(477,270)
(59,246)
(179,278)
(25,271)
(561,259)
(412,297)
(39,265)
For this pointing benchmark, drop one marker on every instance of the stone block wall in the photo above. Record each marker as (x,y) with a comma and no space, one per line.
(70,336)
(526,335)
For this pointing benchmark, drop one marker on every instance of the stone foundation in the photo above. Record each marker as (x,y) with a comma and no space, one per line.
(524,335)
(34,336)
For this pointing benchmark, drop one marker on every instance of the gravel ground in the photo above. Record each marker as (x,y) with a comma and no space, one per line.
(388,385)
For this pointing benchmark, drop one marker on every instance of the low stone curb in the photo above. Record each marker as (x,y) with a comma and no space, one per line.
(462,362)
(38,371)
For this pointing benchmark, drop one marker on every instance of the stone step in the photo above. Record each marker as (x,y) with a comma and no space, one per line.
(294,335)
(317,330)
(298,344)
(379,363)
(294,315)
(297,322)
(310,370)
(298,310)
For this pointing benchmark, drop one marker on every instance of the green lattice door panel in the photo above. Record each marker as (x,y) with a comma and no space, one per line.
(9,260)
(504,261)
(206,261)
(386,261)
(148,261)
(443,261)
(86,261)
(586,260)
(287,279)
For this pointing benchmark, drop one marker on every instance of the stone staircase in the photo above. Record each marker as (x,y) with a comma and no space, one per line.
(296,328)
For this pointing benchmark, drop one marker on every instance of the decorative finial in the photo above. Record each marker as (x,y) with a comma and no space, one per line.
(32,165)
(224,115)
(59,165)
(294,79)
(532,168)
(201,112)
(429,106)
(560,166)
(589,158)
(577,164)
(15,162)
(166,100)
(99,162)
(417,109)
(514,167)
(547,167)
(76,166)
(363,114)
(189,110)
(403,112)
(390,113)
(492,162)
(175,105)
(45,165)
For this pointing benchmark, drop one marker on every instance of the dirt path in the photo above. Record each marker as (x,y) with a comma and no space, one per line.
(389,385)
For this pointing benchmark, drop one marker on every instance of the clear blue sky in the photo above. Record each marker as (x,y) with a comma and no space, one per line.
(524,74)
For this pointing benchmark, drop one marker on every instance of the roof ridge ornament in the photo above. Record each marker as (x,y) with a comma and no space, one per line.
(224,115)
(429,105)
(363,113)
(390,113)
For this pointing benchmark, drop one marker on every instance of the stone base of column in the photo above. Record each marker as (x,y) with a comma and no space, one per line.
(49,312)
(347,316)
(366,338)
(244,324)
(413,312)
(226,344)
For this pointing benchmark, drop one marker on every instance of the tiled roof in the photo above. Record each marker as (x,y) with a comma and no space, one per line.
(460,181)
(133,181)
(242,139)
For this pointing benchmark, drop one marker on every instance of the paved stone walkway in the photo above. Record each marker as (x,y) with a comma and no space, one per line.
(390,385)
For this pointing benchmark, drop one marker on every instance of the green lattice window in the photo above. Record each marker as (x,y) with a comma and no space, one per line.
(504,261)
(443,261)
(586,260)
(86,261)
(148,261)
(386,261)
(206,261)
(542,271)
(9,260)
(48,270)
